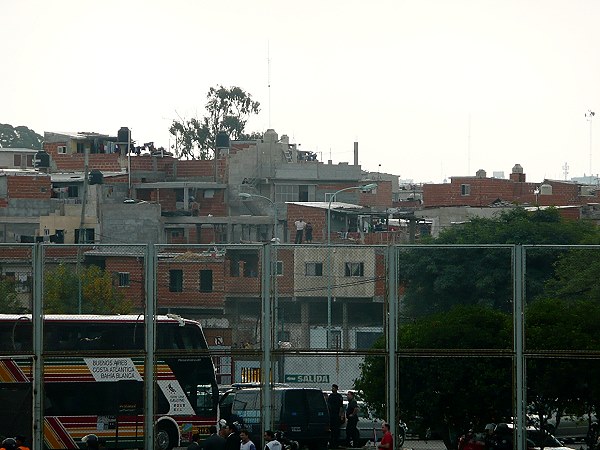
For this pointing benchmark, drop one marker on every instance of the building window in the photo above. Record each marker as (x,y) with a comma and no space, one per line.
(123,279)
(176,280)
(29,160)
(366,339)
(73,191)
(17,160)
(354,269)
(88,236)
(336,339)
(465,189)
(278,268)
(286,193)
(61,149)
(206,281)
(313,269)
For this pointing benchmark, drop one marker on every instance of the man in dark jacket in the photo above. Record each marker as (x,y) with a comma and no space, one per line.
(352,436)
(232,442)
(335,404)
(214,441)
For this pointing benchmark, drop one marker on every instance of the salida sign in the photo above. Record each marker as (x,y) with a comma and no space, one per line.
(306,378)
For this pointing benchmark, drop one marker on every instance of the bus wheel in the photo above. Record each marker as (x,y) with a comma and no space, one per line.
(165,437)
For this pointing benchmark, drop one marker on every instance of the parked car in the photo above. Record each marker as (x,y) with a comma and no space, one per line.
(536,439)
(301,413)
(571,427)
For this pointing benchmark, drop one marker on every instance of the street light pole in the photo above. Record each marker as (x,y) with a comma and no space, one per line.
(589,115)
(365,188)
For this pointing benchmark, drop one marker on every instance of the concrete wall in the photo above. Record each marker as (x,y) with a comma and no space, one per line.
(338,256)
(119,222)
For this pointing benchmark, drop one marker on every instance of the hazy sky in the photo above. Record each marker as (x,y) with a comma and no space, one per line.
(403,78)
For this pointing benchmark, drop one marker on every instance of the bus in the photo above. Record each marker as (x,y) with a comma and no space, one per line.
(93,380)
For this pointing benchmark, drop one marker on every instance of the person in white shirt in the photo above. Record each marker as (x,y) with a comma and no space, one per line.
(271,442)
(300,224)
(246,443)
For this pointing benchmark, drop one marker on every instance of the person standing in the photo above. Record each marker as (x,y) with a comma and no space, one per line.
(308,229)
(271,443)
(335,404)
(232,442)
(352,436)
(246,443)
(300,224)
(387,441)
(214,441)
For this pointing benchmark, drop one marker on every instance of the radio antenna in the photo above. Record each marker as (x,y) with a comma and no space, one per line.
(269,77)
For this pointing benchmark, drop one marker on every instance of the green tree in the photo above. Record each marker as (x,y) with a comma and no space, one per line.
(93,287)
(19,137)
(559,386)
(9,301)
(447,391)
(435,279)
(228,110)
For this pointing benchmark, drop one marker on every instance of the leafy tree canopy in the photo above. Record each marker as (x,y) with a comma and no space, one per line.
(19,137)
(9,301)
(64,289)
(435,279)
(228,110)
(449,392)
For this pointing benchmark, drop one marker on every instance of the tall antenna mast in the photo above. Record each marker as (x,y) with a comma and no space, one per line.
(269,77)
(469,147)
(589,115)
(565,169)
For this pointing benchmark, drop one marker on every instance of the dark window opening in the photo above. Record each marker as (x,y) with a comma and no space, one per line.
(206,281)
(313,269)
(355,269)
(176,280)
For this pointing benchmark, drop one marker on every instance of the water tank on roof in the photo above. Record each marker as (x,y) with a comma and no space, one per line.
(270,135)
(480,173)
(222,140)
(42,160)
(517,168)
(546,189)
(96,177)
(123,135)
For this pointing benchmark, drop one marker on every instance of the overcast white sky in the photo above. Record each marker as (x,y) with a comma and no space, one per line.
(400,77)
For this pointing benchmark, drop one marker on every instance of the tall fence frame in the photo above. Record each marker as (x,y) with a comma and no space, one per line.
(268,350)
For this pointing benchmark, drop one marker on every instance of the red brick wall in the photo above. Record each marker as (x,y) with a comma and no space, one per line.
(165,197)
(381,197)
(215,206)
(33,187)
(135,267)
(484,191)
(316,216)
(285,283)
(191,295)
(75,162)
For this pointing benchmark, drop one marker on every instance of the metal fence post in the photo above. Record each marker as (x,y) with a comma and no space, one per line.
(38,343)
(267,264)
(392,333)
(150,345)
(519,264)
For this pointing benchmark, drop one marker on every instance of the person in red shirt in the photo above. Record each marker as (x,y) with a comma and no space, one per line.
(387,441)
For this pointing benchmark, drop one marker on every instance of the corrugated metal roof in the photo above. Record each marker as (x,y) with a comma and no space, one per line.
(325,205)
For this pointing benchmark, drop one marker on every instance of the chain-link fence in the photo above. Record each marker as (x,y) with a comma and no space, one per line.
(148,346)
